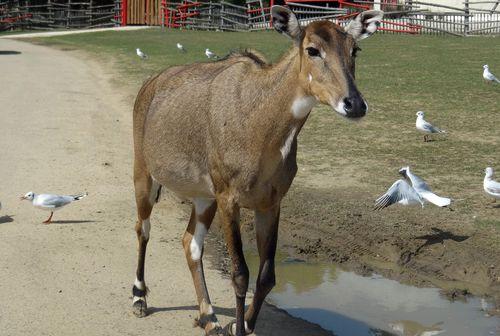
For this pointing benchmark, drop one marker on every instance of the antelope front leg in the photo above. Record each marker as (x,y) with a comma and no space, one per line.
(229,213)
(266,226)
(202,214)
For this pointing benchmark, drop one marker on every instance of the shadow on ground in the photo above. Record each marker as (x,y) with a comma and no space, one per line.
(73,222)
(6,219)
(9,52)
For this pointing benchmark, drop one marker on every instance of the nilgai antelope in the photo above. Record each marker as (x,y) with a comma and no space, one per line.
(224,135)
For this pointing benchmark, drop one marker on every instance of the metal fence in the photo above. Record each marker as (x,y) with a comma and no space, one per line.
(47,14)
(401,16)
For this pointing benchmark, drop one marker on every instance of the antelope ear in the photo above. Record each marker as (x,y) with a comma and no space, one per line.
(365,24)
(285,22)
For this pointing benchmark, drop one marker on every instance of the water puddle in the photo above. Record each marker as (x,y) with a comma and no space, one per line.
(353,305)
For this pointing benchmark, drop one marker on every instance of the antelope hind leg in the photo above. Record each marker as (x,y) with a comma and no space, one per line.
(146,193)
(202,214)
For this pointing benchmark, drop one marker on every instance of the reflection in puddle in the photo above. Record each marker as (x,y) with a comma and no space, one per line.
(414,328)
(353,305)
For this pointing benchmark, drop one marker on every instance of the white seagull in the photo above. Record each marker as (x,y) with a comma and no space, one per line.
(141,54)
(51,202)
(418,193)
(426,127)
(210,54)
(491,187)
(488,76)
(181,47)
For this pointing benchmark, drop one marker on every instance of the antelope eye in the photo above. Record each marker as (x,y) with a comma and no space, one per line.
(313,52)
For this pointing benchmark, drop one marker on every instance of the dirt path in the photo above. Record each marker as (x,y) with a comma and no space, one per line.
(69,32)
(63,129)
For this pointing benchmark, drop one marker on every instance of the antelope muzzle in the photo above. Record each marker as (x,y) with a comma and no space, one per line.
(355,106)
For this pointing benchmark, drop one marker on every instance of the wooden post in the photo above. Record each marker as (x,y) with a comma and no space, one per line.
(162,12)
(271,4)
(49,10)
(249,14)
(263,12)
(466,18)
(210,13)
(68,10)
(221,16)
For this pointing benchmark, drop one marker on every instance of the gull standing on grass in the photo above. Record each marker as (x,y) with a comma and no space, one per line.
(491,187)
(181,47)
(416,193)
(424,126)
(210,54)
(51,202)
(141,54)
(488,76)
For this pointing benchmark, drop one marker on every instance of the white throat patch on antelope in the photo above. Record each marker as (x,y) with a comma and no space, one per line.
(301,106)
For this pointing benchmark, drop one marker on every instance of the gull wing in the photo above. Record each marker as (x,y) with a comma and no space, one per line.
(54,201)
(425,191)
(400,192)
(435,199)
(493,187)
(491,76)
(430,128)
(417,183)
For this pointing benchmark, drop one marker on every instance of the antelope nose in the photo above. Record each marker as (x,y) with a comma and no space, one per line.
(354,107)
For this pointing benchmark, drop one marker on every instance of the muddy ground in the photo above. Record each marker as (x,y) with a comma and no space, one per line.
(406,244)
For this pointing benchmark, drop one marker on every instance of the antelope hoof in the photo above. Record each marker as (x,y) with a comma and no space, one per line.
(230,329)
(209,323)
(139,308)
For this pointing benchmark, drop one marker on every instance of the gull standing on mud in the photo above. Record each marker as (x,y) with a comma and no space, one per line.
(418,193)
(141,54)
(491,187)
(181,47)
(50,202)
(426,127)
(488,76)
(210,54)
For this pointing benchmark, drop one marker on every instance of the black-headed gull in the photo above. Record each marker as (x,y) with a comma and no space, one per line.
(416,193)
(210,54)
(141,54)
(51,202)
(488,76)
(181,47)
(426,127)
(491,187)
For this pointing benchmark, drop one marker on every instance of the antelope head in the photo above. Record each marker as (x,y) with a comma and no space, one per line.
(327,54)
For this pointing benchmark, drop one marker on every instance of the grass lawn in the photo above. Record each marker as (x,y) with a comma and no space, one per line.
(398,76)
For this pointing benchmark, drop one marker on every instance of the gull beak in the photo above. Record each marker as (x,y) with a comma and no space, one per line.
(22,198)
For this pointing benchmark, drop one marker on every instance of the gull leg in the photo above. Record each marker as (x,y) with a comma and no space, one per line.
(49,219)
